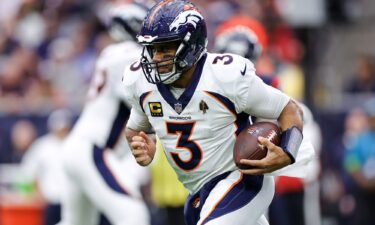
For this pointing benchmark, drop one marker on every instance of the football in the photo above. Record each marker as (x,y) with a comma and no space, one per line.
(247,146)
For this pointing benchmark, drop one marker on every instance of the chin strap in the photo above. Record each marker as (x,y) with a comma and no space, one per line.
(291,140)
(173,77)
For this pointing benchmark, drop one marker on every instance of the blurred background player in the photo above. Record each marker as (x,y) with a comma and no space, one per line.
(101,175)
(42,163)
(359,162)
(243,36)
(247,37)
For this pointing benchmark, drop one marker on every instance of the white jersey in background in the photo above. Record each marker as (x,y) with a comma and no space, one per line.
(105,113)
(97,180)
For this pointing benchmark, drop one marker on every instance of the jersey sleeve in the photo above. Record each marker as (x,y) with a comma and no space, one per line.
(138,120)
(109,69)
(257,98)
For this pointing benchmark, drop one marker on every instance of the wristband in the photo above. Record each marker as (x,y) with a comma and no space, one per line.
(291,141)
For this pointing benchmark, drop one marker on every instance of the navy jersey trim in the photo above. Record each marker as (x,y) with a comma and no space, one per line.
(142,99)
(185,98)
(228,103)
(105,172)
(118,125)
(242,119)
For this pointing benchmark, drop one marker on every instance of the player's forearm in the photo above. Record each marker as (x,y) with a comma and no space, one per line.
(291,116)
(291,124)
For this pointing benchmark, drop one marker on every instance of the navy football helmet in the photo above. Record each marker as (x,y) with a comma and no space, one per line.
(172,21)
(240,42)
(241,35)
(126,21)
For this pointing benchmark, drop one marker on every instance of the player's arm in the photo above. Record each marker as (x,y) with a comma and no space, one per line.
(266,102)
(141,144)
(291,123)
(278,157)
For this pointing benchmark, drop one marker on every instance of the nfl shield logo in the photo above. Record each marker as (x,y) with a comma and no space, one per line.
(178,108)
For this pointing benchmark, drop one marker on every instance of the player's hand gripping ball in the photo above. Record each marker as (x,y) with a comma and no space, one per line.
(247,145)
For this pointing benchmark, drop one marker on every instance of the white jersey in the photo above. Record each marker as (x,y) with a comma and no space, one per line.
(198,130)
(105,114)
(42,163)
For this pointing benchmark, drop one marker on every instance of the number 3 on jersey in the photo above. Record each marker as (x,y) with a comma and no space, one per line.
(184,131)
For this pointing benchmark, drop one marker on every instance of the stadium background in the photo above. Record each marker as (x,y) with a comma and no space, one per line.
(318,48)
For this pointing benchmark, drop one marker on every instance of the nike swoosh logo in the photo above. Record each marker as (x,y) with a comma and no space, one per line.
(244,71)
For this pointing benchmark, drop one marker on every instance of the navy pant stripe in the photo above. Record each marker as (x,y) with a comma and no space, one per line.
(240,195)
(105,172)
(118,125)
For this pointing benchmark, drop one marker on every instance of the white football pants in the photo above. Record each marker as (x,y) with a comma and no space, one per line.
(250,214)
(96,180)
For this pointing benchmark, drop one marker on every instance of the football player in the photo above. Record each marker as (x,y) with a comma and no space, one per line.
(197,102)
(99,177)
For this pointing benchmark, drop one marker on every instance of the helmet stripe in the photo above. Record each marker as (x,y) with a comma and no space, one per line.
(151,18)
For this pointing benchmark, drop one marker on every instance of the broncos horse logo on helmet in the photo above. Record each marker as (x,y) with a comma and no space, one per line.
(192,17)
(172,21)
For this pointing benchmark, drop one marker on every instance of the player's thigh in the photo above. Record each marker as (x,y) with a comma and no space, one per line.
(261,221)
(118,198)
(76,208)
(77,157)
(123,210)
(213,212)
(100,176)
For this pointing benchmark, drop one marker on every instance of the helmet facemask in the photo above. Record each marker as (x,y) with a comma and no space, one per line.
(164,71)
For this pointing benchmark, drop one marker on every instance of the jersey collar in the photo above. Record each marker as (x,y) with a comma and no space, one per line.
(179,104)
